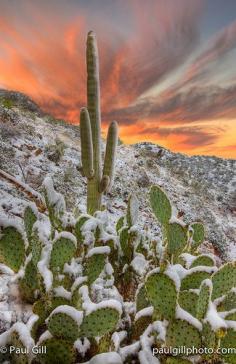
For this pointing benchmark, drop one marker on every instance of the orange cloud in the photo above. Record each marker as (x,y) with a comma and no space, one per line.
(42,53)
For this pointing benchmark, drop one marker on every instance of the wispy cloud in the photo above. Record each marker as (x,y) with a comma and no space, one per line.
(42,53)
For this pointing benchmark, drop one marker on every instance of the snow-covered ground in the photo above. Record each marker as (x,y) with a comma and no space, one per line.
(34,146)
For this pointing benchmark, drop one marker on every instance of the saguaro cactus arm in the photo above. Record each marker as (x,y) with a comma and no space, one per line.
(109,162)
(86,143)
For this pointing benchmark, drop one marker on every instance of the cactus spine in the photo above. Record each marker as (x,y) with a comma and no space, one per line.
(90,126)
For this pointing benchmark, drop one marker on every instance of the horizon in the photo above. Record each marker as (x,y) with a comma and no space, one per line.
(167,74)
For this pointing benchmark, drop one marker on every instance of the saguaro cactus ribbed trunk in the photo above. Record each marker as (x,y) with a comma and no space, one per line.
(90,130)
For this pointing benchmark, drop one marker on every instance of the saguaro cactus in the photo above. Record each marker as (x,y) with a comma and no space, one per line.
(90,127)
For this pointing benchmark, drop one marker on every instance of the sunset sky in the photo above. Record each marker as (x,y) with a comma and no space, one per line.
(167,67)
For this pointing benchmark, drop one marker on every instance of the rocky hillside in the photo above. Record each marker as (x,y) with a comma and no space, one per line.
(34,145)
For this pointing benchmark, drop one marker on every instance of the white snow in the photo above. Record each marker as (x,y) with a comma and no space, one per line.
(147,311)
(76,315)
(82,346)
(43,267)
(145,357)
(139,264)
(186,316)
(6,270)
(117,338)
(89,306)
(60,291)
(214,318)
(74,268)
(129,350)
(66,235)
(45,336)
(55,199)
(98,250)
(173,275)
(106,358)
(78,281)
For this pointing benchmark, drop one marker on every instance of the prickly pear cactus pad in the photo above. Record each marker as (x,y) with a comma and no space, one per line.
(162,293)
(197,235)
(160,204)
(63,250)
(176,236)
(64,322)
(30,217)
(188,301)
(58,352)
(12,247)
(224,280)
(99,322)
(195,277)
(182,333)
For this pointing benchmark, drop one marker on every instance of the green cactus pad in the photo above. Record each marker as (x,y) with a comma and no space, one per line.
(229,302)
(63,326)
(29,219)
(203,260)
(94,266)
(229,341)
(125,243)
(12,248)
(162,294)
(141,298)
(198,235)
(204,299)
(99,322)
(58,352)
(194,280)
(62,252)
(29,283)
(176,238)
(79,223)
(160,204)
(140,326)
(120,223)
(224,280)
(132,210)
(18,358)
(208,336)
(182,333)
(36,245)
(188,301)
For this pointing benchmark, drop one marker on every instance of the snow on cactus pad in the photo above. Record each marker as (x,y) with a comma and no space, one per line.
(99,322)
(63,250)
(64,322)
(162,293)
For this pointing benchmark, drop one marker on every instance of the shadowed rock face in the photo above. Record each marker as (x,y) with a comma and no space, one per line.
(202,188)
(18,99)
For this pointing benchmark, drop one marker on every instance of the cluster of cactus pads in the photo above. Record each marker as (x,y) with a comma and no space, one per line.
(104,294)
